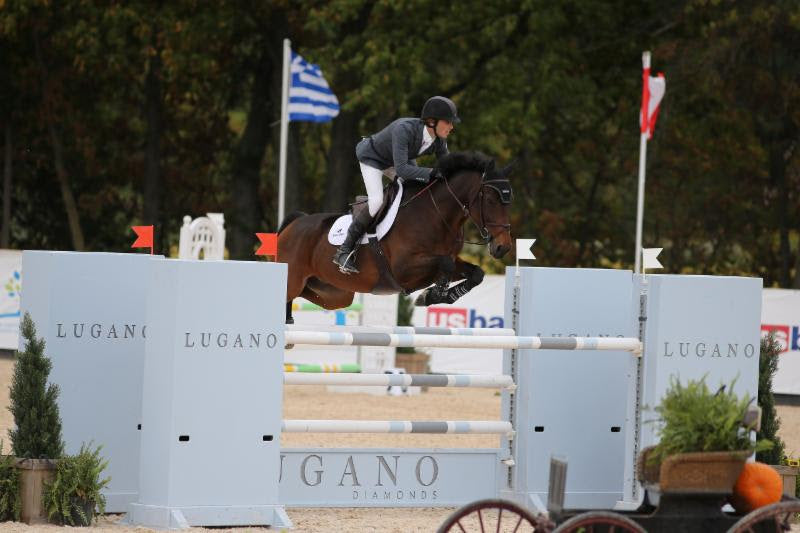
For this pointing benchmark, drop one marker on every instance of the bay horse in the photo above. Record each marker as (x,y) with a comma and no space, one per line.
(421,248)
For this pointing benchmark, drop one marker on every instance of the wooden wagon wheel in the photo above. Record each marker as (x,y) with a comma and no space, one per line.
(600,522)
(495,515)
(770,518)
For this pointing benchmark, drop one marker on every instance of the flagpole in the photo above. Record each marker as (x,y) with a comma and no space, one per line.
(287,59)
(642,166)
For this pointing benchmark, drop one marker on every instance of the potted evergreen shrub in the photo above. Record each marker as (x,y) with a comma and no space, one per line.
(36,438)
(770,422)
(704,440)
(73,494)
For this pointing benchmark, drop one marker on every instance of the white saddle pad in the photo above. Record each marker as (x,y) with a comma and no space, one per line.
(338,231)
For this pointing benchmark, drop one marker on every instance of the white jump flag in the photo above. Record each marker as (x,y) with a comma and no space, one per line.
(649,258)
(524,249)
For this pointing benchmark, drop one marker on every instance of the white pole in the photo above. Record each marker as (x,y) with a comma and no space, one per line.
(287,60)
(323,338)
(640,196)
(640,202)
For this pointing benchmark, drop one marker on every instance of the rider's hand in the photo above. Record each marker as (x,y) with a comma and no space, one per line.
(436,174)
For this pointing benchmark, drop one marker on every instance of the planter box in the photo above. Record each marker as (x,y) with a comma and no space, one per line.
(696,473)
(33,474)
(789,477)
(413,363)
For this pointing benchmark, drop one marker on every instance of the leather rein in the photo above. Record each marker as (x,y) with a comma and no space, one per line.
(465,208)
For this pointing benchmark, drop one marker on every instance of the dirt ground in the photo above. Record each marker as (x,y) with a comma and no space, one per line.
(316,402)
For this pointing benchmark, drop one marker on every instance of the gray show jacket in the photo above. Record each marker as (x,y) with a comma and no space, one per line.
(397,145)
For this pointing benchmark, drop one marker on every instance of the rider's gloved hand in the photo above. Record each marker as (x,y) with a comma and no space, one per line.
(436,174)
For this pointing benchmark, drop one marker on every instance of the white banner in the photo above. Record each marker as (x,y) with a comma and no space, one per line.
(780,312)
(480,308)
(11,277)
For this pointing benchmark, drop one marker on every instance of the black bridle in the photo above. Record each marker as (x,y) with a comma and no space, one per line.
(500,185)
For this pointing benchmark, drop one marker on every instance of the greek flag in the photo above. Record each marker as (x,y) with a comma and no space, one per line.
(310,98)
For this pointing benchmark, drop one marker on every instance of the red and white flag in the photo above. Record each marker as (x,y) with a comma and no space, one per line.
(653,88)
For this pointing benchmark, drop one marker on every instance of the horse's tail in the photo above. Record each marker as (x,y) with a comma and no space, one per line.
(291,217)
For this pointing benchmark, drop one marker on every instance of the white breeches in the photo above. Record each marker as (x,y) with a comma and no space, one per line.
(373,181)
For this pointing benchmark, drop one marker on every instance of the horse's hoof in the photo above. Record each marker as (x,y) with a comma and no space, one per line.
(288,347)
(422,299)
(290,320)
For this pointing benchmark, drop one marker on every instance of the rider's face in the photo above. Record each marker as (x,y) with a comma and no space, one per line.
(443,128)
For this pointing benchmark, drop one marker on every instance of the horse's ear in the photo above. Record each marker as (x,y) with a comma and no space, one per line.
(489,170)
(508,168)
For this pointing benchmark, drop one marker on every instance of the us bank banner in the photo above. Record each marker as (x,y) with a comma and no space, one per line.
(11,278)
(780,312)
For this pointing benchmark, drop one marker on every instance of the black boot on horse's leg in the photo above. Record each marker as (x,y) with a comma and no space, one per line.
(436,293)
(345,256)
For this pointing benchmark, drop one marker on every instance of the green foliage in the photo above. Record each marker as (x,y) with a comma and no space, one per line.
(10,493)
(770,423)
(37,432)
(507,64)
(405,310)
(694,419)
(75,489)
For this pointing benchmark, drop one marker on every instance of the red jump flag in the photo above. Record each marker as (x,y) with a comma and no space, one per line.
(144,237)
(653,89)
(269,244)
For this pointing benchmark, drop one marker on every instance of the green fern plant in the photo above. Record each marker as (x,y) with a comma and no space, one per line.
(692,418)
(71,497)
(10,495)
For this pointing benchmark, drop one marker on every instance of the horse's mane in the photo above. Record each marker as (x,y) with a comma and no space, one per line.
(457,161)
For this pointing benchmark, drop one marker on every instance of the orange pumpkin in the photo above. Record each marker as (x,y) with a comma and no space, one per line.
(758,485)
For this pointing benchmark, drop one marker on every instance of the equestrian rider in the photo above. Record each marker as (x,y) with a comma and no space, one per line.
(392,152)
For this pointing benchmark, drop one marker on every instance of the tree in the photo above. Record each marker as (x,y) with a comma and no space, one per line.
(37,432)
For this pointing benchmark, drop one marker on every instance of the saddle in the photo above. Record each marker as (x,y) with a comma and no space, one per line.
(389,194)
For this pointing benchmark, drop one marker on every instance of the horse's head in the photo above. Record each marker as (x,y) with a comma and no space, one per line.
(483,194)
(495,202)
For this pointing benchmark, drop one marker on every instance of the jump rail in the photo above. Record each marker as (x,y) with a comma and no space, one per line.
(322,368)
(629,344)
(398,426)
(403,380)
(407,330)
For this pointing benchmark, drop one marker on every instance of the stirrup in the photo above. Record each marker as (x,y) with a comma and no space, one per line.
(344,266)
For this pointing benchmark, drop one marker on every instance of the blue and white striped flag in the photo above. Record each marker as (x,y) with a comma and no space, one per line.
(310,97)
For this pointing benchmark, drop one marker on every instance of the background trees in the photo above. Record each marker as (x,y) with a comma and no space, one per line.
(141,112)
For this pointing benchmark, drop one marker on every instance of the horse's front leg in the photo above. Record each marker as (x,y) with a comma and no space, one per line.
(472,276)
(437,292)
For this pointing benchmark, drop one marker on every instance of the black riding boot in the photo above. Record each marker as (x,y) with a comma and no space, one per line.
(345,255)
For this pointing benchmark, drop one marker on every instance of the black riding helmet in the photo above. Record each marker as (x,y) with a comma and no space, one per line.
(440,108)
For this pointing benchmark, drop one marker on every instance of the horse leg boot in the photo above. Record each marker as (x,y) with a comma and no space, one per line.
(474,278)
(437,293)
(345,256)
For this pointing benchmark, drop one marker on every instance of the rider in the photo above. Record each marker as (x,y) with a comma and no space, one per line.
(392,152)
